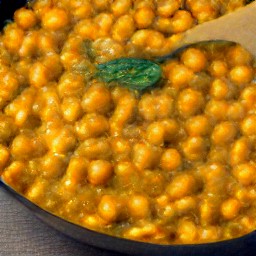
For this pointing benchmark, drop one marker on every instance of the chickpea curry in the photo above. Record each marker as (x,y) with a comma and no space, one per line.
(172,164)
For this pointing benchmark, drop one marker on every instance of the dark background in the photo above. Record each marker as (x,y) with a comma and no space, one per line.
(7,8)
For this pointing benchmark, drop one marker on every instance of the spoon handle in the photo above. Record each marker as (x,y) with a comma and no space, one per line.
(238,26)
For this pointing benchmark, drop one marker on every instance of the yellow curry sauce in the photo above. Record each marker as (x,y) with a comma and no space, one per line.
(172,164)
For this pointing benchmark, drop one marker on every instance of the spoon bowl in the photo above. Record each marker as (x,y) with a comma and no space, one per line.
(238,27)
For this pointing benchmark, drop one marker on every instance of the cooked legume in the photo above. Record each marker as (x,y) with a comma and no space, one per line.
(175,163)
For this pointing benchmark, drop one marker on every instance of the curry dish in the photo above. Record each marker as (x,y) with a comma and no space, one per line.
(173,164)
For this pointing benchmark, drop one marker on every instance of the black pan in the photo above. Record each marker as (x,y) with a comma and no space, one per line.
(243,246)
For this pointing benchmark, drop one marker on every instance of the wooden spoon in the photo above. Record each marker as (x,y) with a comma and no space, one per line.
(238,27)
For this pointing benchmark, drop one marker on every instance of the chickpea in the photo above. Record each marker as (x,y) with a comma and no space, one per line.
(187,231)
(124,169)
(215,176)
(140,37)
(167,8)
(138,206)
(230,208)
(218,68)
(96,99)
(248,97)
(210,233)
(208,212)
(91,125)
(55,19)
(163,25)
(120,7)
(13,173)
(236,111)
(181,21)
(153,182)
(34,193)
(121,148)
(123,28)
(41,7)
(190,102)
(101,5)
(198,125)
(202,10)
(38,75)
(142,3)
(13,38)
(4,157)
(72,43)
(105,22)
(87,29)
(46,42)
(22,69)
(223,133)
(47,105)
(241,75)
(185,205)
(94,148)
(179,75)
(125,109)
(145,156)
(180,186)
(83,11)
(53,166)
(155,133)
(25,146)
(71,109)
(76,172)
(242,194)
(219,89)
(145,107)
(7,129)
(115,51)
(144,17)
(248,125)
(164,105)
(60,140)
(170,160)
(25,18)
(194,148)
(247,222)
(171,129)
(142,232)
(218,154)
(245,173)
(70,84)
(117,127)
(126,175)
(109,208)
(237,55)
(155,42)
(29,45)
(153,107)
(240,151)
(93,221)
(9,87)
(216,109)
(52,62)
(99,172)
(194,59)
